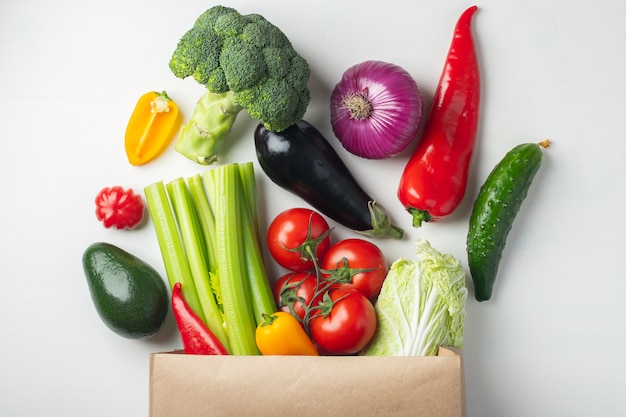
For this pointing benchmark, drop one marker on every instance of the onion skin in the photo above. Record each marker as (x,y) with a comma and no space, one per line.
(394,115)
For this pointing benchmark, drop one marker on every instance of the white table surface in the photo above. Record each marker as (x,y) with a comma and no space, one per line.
(550,342)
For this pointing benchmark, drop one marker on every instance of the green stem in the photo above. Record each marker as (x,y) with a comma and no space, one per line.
(261,295)
(206,218)
(208,231)
(231,257)
(202,137)
(248,180)
(174,258)
(195,248)
(419,216)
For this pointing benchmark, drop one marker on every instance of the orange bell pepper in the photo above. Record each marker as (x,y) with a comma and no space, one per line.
(151,127)
(281,333)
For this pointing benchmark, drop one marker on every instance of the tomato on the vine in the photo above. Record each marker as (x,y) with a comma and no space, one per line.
(295,236)
(358,264)
(295,291)
(344,323)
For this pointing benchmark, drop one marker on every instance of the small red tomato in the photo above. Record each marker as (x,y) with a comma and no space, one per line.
(296,290)
(357,264)
(344,326)
(295,236)
(119,208)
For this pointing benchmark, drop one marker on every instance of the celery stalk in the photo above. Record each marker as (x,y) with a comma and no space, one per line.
(206,218)
(207,224)
(208,231)
(261,295)
(172,252)
(246,172)
(195,247)
(227,199)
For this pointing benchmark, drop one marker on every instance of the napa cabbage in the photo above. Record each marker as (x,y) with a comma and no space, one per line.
(421,305)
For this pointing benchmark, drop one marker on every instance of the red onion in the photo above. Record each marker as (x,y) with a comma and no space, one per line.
(376,109)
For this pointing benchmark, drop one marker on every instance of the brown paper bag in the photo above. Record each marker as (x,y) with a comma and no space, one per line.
(257,386)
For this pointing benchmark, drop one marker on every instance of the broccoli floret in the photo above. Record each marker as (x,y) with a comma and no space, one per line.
(246,63)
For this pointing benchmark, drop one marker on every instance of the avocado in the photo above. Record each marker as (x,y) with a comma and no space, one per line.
(129,295)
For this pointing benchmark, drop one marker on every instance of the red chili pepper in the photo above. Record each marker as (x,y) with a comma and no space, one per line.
(434,179)
(197,338)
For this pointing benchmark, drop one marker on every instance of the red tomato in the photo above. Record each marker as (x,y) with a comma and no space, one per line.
(349,256)
(348,327)
(295,235)
(296,289)
(118,207)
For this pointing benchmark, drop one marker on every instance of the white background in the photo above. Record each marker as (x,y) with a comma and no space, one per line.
(550,342)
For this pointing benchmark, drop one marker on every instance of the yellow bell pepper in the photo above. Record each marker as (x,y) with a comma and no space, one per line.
(151,127)
(281,333)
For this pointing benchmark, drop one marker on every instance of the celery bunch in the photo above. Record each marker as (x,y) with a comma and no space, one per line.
(208,232)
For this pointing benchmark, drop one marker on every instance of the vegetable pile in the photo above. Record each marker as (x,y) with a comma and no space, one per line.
(330,290)
(208,231)
(333,297)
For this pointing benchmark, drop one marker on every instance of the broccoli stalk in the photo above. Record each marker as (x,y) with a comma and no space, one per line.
(202,137)
(245,63)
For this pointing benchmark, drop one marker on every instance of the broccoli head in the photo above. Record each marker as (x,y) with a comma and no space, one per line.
(245,62)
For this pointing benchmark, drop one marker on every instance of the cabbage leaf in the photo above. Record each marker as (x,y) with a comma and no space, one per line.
(421,305)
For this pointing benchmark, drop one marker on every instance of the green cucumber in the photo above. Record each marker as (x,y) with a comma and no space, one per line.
(494,211)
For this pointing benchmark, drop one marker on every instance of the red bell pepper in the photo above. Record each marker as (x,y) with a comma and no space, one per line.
(197,338)
(434,180)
